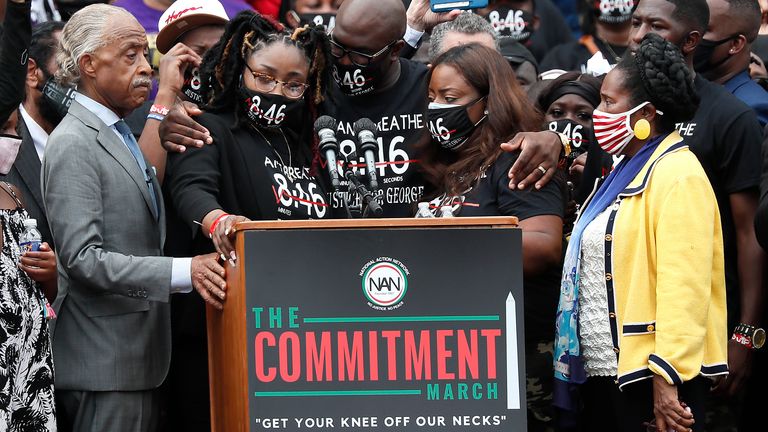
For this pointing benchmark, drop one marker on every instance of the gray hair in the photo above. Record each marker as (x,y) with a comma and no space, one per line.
(85,33)
(467,23)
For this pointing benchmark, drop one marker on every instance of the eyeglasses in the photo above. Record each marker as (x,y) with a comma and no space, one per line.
(266,83)
(357,58)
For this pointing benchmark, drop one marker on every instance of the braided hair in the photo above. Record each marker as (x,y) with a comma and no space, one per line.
(658,73)
(250,32)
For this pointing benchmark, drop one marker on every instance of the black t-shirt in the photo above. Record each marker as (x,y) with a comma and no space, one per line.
(573,56)
(726,137)
(400,115)
(492,196)
(243,173)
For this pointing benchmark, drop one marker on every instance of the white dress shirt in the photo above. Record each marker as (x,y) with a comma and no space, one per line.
(181,273)
(39,136)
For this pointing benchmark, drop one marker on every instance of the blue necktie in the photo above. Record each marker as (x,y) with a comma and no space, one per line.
(133,146)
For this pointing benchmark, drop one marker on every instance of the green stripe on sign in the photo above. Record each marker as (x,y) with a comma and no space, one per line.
(402,319)
(337,393)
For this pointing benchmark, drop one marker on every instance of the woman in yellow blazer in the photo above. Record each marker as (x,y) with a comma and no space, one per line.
(641,322)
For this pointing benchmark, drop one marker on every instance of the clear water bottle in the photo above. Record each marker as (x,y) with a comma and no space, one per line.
(446,212)
(30,239)
(424,211)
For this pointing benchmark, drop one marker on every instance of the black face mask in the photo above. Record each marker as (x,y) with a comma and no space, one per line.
(450,125)
(267,110)
(328,20)
(192,88)
(613,11)
(581,137)
(56,101)
(703,54)
(517,24)
(355,80)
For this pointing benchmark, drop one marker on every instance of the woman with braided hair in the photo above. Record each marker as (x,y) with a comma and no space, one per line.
(641,321)
(265,86)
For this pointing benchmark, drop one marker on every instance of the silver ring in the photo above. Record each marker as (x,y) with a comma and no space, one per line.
(542,169)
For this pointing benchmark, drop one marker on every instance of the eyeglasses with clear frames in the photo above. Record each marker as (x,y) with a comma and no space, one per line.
(267,83)
(357,58)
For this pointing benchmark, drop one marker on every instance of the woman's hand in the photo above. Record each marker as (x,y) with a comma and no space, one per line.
(40,265)
(577,168)
(671,415)
(223,235)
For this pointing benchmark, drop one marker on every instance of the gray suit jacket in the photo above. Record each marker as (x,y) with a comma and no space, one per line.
(113,326)
(25,175)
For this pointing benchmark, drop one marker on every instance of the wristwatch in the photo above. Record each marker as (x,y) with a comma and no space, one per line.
(566,142)
(749,336)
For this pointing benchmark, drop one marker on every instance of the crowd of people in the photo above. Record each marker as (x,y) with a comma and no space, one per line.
(628,138)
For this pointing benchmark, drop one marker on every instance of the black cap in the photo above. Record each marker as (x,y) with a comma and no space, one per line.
(516,53)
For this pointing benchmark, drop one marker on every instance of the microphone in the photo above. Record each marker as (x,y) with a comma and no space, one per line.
(325,127)
(365,130)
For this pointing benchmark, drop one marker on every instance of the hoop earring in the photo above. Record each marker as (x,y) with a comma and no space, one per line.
(642,129)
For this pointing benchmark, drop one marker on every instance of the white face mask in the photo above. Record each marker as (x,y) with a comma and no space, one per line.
(435,105)
(9,149)
(613,131)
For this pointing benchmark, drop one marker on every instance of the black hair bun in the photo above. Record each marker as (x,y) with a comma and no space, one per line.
(667,79)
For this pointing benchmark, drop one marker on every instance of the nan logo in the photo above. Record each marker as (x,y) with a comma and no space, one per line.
(385,282)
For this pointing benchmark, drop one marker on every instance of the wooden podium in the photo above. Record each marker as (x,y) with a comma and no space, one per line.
(396,324)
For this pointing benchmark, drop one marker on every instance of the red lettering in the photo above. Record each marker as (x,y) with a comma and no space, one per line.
(373,360)
(391,337)
(319,360)
(261,339)
(295,357)
(467,354)
(443,354)
(350,360)
(417,361)
(490,336)
(176,15)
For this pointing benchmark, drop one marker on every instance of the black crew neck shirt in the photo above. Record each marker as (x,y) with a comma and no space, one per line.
(400,115)
(258,176)
(491,196)
(726,137)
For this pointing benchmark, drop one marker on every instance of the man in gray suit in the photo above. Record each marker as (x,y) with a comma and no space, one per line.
(112,338)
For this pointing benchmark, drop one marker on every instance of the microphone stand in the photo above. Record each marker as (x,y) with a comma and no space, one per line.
(351,211)
(369,207)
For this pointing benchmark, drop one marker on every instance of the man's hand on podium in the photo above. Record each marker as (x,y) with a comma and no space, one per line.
(208,279)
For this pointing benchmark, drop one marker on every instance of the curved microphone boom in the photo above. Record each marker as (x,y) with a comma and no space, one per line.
(325,127)
(365,131)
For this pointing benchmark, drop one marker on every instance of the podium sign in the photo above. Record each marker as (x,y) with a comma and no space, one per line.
(383,329)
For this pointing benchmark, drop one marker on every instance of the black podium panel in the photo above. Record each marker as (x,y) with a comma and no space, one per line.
(385,329)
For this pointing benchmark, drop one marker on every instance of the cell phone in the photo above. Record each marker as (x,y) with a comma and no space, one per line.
(448,5)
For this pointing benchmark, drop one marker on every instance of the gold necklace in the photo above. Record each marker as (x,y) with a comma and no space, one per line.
(287,146)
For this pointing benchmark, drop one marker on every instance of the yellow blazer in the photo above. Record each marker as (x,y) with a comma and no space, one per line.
(665,271)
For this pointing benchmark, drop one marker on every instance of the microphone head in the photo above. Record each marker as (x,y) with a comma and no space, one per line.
(364,124)
(325,122)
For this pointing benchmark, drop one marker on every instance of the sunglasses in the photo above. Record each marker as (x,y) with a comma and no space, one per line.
(357,58)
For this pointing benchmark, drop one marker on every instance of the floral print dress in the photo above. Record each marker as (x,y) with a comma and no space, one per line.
(26,363)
